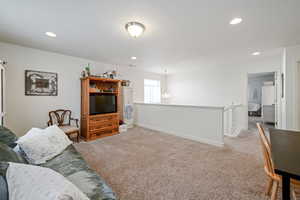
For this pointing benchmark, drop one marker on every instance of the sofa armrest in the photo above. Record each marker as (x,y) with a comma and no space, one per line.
(7,137)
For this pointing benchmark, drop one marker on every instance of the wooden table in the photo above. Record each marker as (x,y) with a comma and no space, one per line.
(285,147)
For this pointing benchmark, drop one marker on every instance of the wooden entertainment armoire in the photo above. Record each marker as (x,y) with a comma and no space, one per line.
(99,125)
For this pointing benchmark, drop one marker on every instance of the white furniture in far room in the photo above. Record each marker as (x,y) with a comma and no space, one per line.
(269,113)
(128,109)
(268,102)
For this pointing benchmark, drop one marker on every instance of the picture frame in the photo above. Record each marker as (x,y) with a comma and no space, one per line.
(39,83)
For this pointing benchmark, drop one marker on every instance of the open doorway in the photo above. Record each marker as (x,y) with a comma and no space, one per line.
(261,99)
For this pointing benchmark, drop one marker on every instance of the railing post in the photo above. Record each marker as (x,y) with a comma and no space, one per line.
(233,120)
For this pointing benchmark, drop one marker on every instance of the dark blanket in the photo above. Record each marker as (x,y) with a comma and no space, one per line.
(69,163)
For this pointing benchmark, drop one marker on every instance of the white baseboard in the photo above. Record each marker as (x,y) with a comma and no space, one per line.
(229,135)
(186,136)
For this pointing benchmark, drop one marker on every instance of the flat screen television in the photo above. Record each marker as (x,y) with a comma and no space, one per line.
(102,103)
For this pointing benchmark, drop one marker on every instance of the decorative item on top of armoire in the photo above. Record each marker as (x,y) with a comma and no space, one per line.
(39,83)
(83,74)
(88,70)
(110,74)
(125,83)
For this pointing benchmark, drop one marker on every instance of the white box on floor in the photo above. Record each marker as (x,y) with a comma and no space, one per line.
(122,128)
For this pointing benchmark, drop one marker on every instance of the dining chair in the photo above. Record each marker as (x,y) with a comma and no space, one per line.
(274,179)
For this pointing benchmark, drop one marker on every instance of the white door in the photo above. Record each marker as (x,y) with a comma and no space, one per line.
(2,73)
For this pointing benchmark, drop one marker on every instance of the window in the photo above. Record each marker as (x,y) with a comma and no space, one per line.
(151,91)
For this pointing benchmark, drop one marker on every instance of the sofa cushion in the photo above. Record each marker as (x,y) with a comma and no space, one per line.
(7,154)
(71,165)
(69,129)
(41,145)
(7,137)
(3,189)
(3,182)
(30,182)
(3,168)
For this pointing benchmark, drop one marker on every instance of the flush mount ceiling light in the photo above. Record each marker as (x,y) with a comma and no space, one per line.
(256,53)
(133,58)
(236,21)
(50,34)
(135,29)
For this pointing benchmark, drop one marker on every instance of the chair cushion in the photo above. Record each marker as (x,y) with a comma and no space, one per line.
(7,137)
(69,129)
(7,154)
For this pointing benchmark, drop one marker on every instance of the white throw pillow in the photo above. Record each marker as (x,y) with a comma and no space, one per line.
(57,137)
(31,133)
(41,145)
(28,182)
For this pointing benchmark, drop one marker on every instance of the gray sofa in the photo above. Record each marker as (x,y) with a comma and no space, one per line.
(70,164)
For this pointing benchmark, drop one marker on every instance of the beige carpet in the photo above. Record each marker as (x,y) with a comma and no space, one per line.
(143,164)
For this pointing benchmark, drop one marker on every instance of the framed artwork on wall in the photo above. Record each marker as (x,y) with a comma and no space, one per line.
(39,83)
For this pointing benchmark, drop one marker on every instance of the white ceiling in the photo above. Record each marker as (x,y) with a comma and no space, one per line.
(176,30)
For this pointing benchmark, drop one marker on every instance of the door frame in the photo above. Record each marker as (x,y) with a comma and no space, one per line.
(278,98)
(297,95)
(2,93)
(277,85)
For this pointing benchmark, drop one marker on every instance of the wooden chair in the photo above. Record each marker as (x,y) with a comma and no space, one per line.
(275,179)
(63,120)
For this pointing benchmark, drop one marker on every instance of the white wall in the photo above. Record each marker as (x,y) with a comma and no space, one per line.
(203,124)
(24,112)
(216,85)
(290,67)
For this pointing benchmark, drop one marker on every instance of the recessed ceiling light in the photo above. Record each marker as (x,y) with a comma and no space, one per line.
(135,29)
(133,58)
(236,21)
(256,53)
(50,34)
